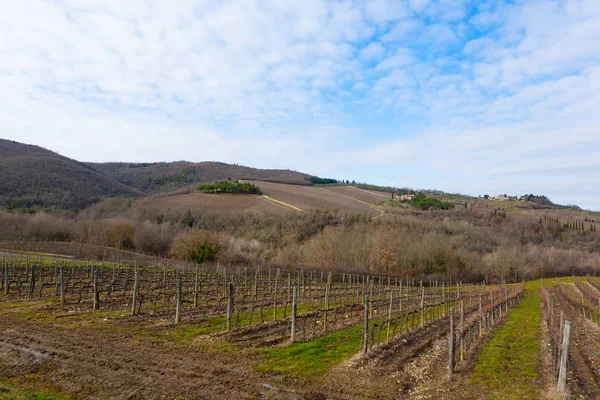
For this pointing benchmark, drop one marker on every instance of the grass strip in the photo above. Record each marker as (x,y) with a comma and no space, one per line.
(309,359)
(9,392)
(507,366)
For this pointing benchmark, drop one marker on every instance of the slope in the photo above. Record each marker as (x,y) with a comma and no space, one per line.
(167,177)
(307,198)
(33,176)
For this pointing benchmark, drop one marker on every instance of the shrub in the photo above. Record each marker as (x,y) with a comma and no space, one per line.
(423,202)
(121,236)
(197,246)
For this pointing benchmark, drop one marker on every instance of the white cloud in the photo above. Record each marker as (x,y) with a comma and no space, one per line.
(384,11)
(372,52)
(402,57)
(403,30)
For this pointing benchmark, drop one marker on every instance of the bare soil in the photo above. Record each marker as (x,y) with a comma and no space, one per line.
(309,197)
(583,378)
(104,358)
(200,202)
(367,196)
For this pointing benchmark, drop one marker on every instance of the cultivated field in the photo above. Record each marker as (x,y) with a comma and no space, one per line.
(85,329)
(306,198)
(218,203)
(365,196)
(279,198)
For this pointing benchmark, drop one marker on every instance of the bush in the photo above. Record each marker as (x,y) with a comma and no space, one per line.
(423,202)
(152,239)
(121,236)
(197,246)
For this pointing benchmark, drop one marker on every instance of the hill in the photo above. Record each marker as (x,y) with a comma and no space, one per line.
(36,177)
(165,177)
(33,176)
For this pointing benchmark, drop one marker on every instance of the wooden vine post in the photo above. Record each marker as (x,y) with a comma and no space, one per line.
(61,278)
(390,316)
(3,272)
(229,306)
(196,286)
(462,330)
(136,283)
(562,372)
(294,313)
(480,319)
(451,348)
(179,301)
(6,281)
(96,302)
(32,282)
(422,305)
(327,290)
(275,296)
(366,328)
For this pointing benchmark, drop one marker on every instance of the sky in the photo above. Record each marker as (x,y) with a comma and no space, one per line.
(465,96)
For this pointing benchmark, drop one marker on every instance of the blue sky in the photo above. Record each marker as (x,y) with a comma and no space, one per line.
(464,96)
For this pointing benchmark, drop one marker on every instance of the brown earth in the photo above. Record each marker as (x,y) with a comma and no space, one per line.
(105,358)
(219,203)
(584,361)
(367,196)
(309,197)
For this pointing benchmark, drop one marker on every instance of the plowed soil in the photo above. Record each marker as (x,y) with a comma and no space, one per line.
(583,377)
(103,358)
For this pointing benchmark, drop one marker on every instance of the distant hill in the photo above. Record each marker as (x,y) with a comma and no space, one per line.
(166,177)
(33,176)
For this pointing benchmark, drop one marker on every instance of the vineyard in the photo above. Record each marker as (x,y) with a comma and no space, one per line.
(255,306)
(297,322)
(572,314)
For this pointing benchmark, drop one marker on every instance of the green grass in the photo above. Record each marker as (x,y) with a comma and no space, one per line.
(507,365)
(314,358)
(8,392)
(309,359)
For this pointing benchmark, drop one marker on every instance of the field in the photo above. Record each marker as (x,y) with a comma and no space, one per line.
(218,203)
(340,199)
(85,329)
(278,199)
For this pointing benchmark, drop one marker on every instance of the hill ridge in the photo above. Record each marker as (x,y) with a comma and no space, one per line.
(33,176)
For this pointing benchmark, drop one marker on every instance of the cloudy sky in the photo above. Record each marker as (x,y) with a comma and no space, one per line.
(464,96)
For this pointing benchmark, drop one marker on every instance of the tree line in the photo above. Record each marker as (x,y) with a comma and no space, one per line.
(234,187)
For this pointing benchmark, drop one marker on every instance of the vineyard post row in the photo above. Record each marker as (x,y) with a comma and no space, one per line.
(491,305)
(107,284)
(560,334)
(589,306)
(464,340)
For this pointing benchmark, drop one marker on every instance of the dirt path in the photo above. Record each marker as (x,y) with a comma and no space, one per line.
(281,203)
(584,357)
